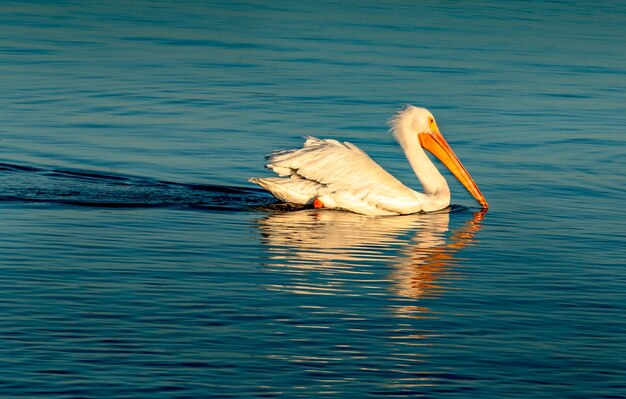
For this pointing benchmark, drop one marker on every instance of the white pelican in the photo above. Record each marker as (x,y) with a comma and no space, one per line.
(331,174)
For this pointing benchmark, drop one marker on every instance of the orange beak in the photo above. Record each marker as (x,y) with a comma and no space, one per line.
(437,145)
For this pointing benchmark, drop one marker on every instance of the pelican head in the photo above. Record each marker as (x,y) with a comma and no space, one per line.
(412,121)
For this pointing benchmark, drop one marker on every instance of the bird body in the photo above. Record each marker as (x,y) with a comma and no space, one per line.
(331,174)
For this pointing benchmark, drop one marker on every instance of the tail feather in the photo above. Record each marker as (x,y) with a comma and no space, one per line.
(292,189)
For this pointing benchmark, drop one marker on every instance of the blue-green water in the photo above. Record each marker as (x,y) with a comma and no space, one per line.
(137,262)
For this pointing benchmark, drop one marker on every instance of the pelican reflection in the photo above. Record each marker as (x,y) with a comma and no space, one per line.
(323,248)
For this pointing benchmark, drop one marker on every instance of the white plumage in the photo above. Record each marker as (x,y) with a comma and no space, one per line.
(341,175)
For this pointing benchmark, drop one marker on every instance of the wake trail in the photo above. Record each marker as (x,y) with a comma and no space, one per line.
(25,183)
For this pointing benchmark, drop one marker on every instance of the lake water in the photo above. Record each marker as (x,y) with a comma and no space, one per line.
(137,262)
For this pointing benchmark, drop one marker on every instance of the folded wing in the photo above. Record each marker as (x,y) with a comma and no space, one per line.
(340,170)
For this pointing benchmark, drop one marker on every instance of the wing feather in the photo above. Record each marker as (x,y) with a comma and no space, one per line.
(342,167)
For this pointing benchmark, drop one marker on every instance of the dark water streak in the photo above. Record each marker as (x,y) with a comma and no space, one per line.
(23,183)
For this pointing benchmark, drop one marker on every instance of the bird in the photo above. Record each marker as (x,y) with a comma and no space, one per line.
(327,173)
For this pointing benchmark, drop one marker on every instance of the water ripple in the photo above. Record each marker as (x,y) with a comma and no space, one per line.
(25,183)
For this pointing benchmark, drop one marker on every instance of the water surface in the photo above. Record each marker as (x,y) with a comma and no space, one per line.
(136,261)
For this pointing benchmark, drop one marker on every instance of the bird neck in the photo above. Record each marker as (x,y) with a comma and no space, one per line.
(432,180)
